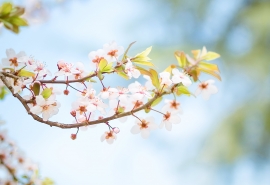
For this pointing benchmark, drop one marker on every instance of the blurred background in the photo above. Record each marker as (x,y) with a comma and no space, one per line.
(224,140)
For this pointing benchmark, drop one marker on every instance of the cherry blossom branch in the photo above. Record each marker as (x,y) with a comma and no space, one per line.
(76,125)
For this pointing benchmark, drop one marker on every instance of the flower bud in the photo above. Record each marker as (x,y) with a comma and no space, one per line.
(66,92)
(73,136)
(73,113)
(116,130)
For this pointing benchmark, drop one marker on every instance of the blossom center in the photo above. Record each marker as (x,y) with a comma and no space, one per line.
(14,61)
(144,124)
(204,85)
(113,53)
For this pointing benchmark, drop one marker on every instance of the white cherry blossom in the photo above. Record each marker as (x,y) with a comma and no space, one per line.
(169,118)
(144,127)
(206,88)
(165,78)
(97,104)
(96,56)
(112,51)
(171,106)
(131,70)
(110,93)
(180,77)
(48,107)
(138,91)
(81,71)
(12,59)
(109,136)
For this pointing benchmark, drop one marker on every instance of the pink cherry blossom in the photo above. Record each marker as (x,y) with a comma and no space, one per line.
(66,69)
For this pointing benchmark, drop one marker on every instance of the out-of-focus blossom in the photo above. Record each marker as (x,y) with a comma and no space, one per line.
(168,119)
(180,77)
(206,88)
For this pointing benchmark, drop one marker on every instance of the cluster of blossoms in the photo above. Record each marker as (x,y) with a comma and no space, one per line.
(22,73)
(17,169)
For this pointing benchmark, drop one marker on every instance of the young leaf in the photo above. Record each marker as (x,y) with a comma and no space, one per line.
(25,73)
(154,78)
(36,88)
(102,64)
(100,76)
(157,101)
(181,58)
(182,90)
(3,92)
(142,58)
(46,93)
(18,21)
(143,71)
(211,56)
(5,9)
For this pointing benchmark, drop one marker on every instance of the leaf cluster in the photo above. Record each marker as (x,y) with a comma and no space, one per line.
(11,17)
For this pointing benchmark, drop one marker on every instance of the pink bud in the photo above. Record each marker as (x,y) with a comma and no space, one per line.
(66,92)
(73,113)
(116,130)
(73,136)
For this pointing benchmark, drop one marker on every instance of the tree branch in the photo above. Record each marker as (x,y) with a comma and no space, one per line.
(76,125)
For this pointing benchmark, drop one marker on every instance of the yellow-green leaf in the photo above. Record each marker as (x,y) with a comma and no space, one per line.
(181,58)
(46,93)
(170,68)
(18,21)
(157,101)
(145,53)
(154,78)
(26,73)
(123,75)
(211,72)
(102,64)
(209,66)
(145,63)
(100,76)
(182,90)
(143,71)
(5,9)
(3,92)
(211,56)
